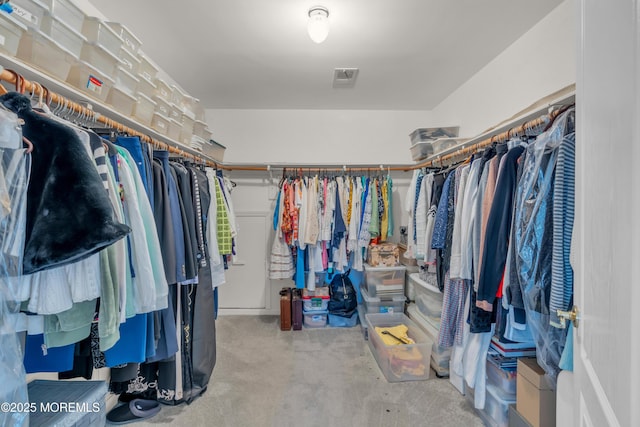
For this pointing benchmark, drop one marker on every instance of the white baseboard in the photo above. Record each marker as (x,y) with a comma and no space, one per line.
(248,312)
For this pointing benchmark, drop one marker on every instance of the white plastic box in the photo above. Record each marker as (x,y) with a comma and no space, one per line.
(130,41)
(101,58)
(187,129)
(178,96)
(376,305)
(96,31)
(147,70)
(163,90)
(67,12)
(428,298)
(11,30)
(144,109)
(29,12)
(403,362)
(125,81)
(121,101)
(214,150)
(90,80)
(145,86)
(64,35)
(200,129)
(174,129)
(43,52)
(160,123)
(315,319)
(175,113)
(128,60)
(384,281)
(162,106)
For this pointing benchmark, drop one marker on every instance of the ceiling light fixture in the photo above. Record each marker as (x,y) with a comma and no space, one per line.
(318,26)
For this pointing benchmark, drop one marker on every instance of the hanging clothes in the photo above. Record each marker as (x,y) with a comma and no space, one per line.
(64,184)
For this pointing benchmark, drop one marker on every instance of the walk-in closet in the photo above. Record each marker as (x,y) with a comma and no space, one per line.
(333,213)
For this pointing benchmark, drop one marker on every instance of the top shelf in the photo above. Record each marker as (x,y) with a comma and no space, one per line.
(54,85)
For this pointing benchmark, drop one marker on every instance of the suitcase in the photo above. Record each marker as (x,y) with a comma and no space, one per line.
(296,309)
(285,309)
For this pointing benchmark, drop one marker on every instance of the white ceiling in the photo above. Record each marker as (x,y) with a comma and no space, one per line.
(256,54)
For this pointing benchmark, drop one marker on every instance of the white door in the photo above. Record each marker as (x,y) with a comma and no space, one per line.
(607,229)
(247,284)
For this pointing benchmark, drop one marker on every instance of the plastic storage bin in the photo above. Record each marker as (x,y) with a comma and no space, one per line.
(123,102)
(11,30)
(178,96)
(147,69)
(97,31)
(99,57)
(343,322)
(163,90)
(496,408)
(66,12)
(422,150)
(174,129)
(379,281)
(130,41)
(90,80)
(428,298)
(160,123)
(128,60)
(88,396)
(317,300)
(214,150)
(504,380)
(145,86)
(440,356)
(187,128)
(175,113)
(125,81)
(376,305)
(200,129)
(404,362)
(29,12)
(364,327)
(65,36)
(144,109)
(162,106)
(315,319)
(42,51)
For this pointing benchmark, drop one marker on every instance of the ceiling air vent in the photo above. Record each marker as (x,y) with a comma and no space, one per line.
(345,77)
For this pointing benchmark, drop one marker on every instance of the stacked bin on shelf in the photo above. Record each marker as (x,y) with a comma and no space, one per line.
(38,47)
(12,30)
(314,303)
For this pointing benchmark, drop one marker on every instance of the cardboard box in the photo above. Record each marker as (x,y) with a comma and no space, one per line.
(516,419)
(536,399)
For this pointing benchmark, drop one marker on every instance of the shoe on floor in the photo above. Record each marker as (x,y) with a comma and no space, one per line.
(134,411)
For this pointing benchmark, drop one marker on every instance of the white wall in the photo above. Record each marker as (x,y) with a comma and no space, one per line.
(316,136)
(541,62)
(254,194)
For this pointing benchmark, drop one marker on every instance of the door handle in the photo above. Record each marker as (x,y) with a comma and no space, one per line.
(573,316)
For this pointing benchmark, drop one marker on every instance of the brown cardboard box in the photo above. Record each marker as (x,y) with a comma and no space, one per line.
(384,254)
(516,419)
(536,400)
